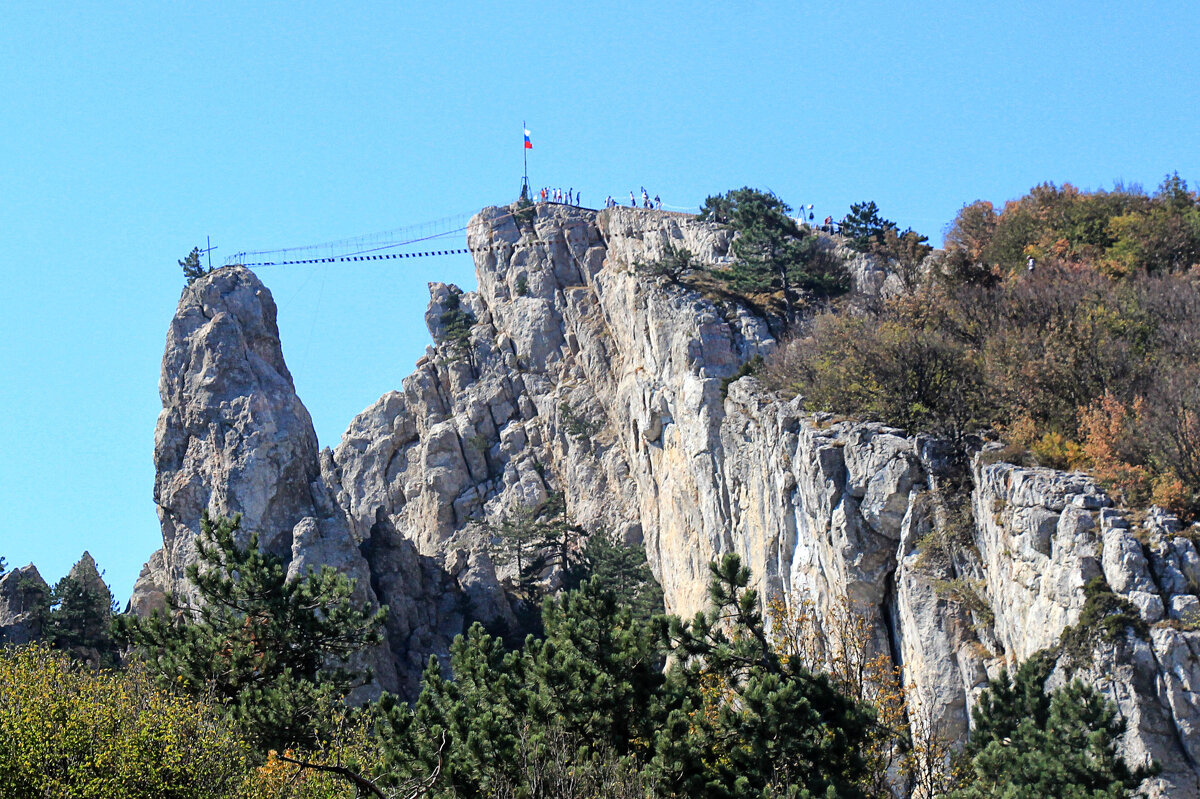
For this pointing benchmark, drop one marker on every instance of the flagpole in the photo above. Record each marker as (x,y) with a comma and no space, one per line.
(525,157)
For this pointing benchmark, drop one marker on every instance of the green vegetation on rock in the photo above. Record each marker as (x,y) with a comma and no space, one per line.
(275,652)
(773,252)
(1087,361)
(1029,743)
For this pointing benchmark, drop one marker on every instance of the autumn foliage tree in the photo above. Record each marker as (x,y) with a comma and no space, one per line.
(1090,361)
(69,730)
(1120,232)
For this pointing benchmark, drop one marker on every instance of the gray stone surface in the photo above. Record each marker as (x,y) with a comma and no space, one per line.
(583,376)
(233,438)
(21,591)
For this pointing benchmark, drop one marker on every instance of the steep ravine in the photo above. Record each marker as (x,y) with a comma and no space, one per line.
(581,375)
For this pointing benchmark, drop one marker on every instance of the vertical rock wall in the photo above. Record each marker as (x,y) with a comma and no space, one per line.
(581,375)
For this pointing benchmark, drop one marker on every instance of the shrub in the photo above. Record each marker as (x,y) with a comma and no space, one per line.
(1105,617)
(750,367)
(676,264)
(1076,367)
(66,730)
(577,425)
(456,323)
(898,367)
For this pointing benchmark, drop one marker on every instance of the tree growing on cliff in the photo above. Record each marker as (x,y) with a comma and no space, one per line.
(864,226)
(774,253)
(676,264)
(273,650)
(192,268)
(1030,743)
(869,232)
(621,570)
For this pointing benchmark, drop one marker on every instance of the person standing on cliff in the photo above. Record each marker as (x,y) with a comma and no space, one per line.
(632,201)
(657,203)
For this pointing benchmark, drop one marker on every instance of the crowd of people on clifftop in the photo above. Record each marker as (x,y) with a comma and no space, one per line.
(549,195)
(571,197)
(656,203)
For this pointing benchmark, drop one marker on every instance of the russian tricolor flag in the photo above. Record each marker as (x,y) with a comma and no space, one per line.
(528,143)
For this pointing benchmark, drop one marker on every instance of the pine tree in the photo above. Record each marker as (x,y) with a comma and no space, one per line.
(730,718)
(676,264)
(773,252)
(864,226)
(620,570)
(468,724)
(745,723)
(192,269)
(556,538)
(274,650)
(1029,744)
(77,616)
(598,669)
(538,541)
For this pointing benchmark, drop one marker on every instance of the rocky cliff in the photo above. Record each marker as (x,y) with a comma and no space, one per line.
(22,591)
(568,370)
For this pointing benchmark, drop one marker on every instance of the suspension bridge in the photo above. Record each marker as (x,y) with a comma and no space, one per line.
(423,238)
(384,245)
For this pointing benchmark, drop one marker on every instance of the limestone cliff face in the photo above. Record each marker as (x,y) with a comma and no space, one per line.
(233,437)
(581,375)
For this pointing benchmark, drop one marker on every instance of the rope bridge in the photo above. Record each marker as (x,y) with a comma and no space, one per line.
(370,247)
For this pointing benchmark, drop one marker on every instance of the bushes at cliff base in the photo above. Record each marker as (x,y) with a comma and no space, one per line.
(69,731)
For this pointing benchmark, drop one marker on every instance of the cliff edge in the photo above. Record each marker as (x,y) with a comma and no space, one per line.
(569,370)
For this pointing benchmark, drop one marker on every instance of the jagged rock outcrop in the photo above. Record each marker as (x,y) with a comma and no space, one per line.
(569,370)
(22,591)
(233,438)
(86,575)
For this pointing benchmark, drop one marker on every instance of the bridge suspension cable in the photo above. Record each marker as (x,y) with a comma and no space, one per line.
(369,247)
(372,246)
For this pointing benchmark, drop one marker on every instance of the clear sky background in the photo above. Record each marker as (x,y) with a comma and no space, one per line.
(130,131)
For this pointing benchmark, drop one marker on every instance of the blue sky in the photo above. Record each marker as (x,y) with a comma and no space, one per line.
(133,130)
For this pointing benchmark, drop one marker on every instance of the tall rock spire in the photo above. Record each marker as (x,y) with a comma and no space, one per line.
(233,438)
